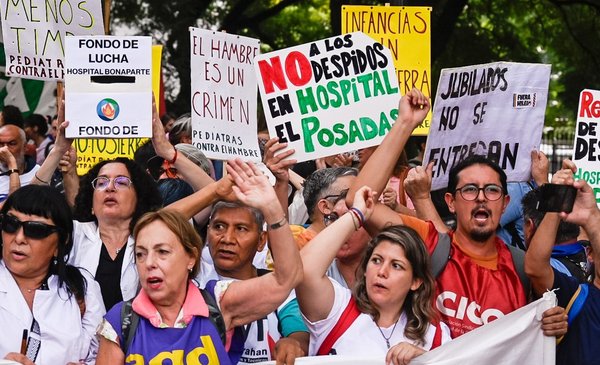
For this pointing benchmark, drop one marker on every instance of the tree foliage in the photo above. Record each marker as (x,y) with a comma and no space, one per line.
(564,33)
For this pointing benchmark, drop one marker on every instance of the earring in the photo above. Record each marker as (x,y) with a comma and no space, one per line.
(190,269)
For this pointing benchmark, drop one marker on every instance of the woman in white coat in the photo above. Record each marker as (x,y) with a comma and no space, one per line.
(49,310)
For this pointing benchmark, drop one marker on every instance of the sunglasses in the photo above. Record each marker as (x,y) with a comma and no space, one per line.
(31,229)
(119,182)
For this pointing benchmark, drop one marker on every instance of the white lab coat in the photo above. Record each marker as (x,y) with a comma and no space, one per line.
(86,254)
(65,335)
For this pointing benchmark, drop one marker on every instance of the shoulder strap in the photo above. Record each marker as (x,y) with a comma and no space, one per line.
(214,314)
(437,338)
(348,316)
(129,323)
(440,255)
(575,305)
(518,258)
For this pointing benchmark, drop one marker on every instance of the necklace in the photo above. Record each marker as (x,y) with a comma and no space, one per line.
(387,339)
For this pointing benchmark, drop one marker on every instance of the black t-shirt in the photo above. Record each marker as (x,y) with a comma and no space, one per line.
(108,276)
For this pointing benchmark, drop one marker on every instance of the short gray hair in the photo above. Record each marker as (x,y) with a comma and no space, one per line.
(318,184)
(257,214)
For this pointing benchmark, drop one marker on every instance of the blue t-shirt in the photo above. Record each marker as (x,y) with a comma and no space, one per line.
(580,345)
(198,343)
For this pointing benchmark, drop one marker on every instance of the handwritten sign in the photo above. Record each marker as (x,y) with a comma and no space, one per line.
(586,149)
(35,34)
(406,31)
(330,96)
(496,110)
(224,104)
(109,87)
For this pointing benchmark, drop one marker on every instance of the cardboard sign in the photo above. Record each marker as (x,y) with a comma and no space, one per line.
(35,33)
(406,31)
(496,110)
(108,87)
(586,149)
(93,150)
(224,105)
(330,96)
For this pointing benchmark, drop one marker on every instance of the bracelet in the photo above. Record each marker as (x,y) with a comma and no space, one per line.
(353,215)
(40,180)
(277,225)
(9,172)
(172,162)
(359,215)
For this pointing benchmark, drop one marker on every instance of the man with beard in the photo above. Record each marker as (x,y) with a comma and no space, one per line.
(479,282)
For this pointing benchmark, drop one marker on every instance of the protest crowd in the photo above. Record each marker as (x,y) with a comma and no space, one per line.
(173,257)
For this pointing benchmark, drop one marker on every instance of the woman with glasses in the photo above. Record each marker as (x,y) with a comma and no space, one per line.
(112,196)
(49,310)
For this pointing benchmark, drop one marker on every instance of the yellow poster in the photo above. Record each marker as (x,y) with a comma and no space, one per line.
(406,31)
(93,150)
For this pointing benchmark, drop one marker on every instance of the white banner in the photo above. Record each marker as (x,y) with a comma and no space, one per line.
(330,96)
(496,110)
(516,338)
(586,149)
(108,87)
(224,104)
(35,33)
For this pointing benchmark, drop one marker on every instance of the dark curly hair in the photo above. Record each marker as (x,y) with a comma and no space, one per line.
(418,303)
(45,201)
(148,196)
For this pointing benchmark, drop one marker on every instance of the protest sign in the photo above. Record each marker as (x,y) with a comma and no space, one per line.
(406,31)
(35,34)
(586,149)
(93,150)
(224,105)
(330,96)
(496,110)
(108,87)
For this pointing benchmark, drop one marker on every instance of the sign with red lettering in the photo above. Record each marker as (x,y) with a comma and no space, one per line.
(496,110)
(108,87)
(35,33)
(586,147)
(224,105)
(330,96)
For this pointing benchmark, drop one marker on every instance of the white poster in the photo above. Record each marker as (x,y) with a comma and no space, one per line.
(329,96)
(108,87)
(586,149)
(516,338)
(35,34)
(224,104)
(496,110)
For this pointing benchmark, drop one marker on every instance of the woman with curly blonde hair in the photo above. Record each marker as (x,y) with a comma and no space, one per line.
(390,310)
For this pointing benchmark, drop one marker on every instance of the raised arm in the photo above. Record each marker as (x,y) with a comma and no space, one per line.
(247,300)
(279,164)
(418,188)
(189,171)
(412,110)
(315,293)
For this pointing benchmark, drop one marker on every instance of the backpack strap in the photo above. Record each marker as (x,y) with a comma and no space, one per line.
(214,314)
(348,317)
(129,323)
(440,255)
(437,338)
(518,258)
(575,305)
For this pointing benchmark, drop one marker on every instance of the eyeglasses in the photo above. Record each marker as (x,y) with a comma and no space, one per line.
(119,182)
(337,197)
(471,192)
(31,229)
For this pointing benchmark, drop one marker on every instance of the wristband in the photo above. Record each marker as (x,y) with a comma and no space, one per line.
(172,162)
(9,172)
(40,180)
(360,215)
(353,215)
(277,225)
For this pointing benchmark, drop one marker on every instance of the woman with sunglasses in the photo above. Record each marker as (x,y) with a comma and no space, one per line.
(112,196)
(49,310)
